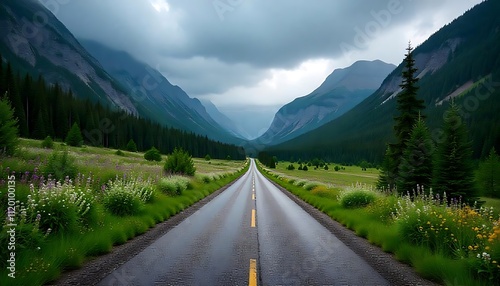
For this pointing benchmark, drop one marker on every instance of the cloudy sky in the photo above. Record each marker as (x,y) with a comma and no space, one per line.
(250,57)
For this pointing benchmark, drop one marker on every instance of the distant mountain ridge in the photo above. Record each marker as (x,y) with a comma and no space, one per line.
(460,61)
(102,75)
(342,90)
(52,50)
(223,120)
(157,98)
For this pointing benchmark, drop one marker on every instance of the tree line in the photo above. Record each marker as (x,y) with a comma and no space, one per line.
(45,110)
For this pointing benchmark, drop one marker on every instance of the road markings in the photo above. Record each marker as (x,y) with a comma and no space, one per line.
(252,276)
(252,223)
(253,197)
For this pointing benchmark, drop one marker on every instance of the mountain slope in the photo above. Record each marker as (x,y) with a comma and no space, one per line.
(223,120)
(342,90)
(156,97)
(461,60)
(48,48)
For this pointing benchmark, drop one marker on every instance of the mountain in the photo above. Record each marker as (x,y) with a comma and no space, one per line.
(114,79)
(156,97)
(460,61)
(342,90)
(48,48)
(223,120)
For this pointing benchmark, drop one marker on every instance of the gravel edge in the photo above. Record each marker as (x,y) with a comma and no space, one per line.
(96,269)
(394,271)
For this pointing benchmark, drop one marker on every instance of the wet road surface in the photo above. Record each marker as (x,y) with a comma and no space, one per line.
(251,234)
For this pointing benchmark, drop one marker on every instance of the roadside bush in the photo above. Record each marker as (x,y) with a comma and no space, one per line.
(48,143)
(323,192)
(59,206)
(173,186)
(384,208)
(205,179)
(122,203)
(356,198)
(180,162)
(310,185)
(61,165)
(300,183)
(153,154)
(127,197)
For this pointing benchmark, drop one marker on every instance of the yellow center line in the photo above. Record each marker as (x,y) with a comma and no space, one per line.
(252,276)
(253,197)
(252,223)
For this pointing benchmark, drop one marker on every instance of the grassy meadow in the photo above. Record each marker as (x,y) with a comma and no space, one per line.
(109,198)
(449,244)
(348,176)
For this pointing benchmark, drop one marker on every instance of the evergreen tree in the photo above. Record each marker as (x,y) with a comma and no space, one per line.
(131,146)
(454,171)
(8,128)
(416,164)
(489,175)
(409,108)
(74,137)
(387,178)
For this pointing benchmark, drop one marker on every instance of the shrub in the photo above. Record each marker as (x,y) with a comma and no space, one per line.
(48,143)
(305,168)
(8,128)
(384,208)
(180,162)
(310,185)
(152,155)
(205,179)
(74,137)
(300,183)
(61,165)
(337,168)
(356,198)
(208,158)
(290,167)
(173,186)
(127,197)
(59,206)
(122,203)
(326,168)
(324,192)
(131,146)
(119,153)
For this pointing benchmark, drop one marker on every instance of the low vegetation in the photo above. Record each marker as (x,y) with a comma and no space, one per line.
(450,243)
(78,202)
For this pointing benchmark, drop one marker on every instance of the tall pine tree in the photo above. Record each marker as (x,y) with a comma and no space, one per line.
(417,161)
(409,109)
(489,175)
(454,171)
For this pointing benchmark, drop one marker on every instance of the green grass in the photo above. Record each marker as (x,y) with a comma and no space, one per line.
(491,202)
(70,249)
(350,176)
(367,223)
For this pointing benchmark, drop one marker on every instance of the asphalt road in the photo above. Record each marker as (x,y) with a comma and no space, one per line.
(251,234)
